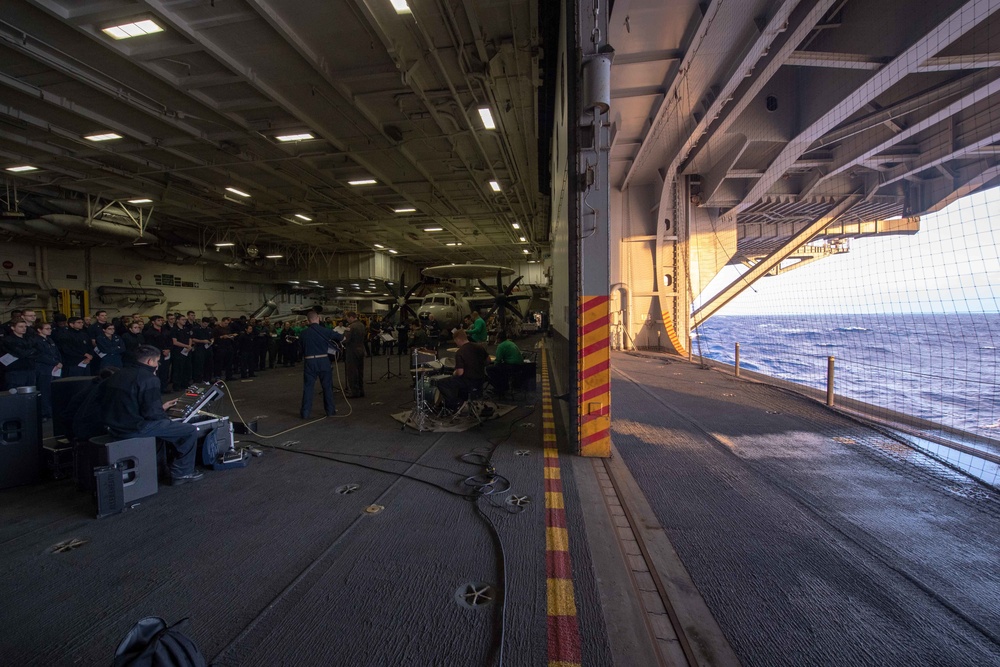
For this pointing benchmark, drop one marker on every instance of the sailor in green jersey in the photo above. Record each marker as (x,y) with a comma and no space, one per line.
(506,365)
(477,334)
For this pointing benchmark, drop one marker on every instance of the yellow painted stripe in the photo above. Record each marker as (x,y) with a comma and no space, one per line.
(550,452)
(552,472)
(556,539)
(675,341)
(561,602)
(554,500)
(563,663)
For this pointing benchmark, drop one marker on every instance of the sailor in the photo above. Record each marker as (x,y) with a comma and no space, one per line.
(477,333)
(225,349)
(507,364)
(161,337)
(180,354)
(19,357)
(131,408)
(201,339)
(354,356)
(470,370)
(110,347)
(133,338)
(315,340)
(74,347)
(48,364)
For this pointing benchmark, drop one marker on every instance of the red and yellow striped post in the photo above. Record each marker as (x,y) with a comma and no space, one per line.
(594,376)
(563,629)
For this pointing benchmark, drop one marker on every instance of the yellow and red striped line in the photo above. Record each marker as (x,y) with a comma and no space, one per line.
(675,340)
(594,376)
(563,629)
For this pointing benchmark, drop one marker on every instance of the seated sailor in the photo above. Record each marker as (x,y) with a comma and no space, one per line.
(131,408)
(506,365)
(469,373)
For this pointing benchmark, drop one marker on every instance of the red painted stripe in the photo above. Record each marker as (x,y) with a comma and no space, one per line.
(558,565)
(595,347)
(594,326)
(551,462)
(603,367)
(595,392)
(564,639)
(603,412)
(555,518)
(600,435)
(591,302)
(553,485)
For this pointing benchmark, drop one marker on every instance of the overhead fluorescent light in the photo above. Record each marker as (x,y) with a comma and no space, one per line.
(532,261)
(433,229)
(315,282)
(136,29)
(139,242)
(273,256)
(526,251)
(294,282)
(363,181)
(107,136)
(224,244)
(140,201)
(451,244)
(393,252)
(400,6)
(238,192)
(487,116)
(380,246)
(494,186)
(22,168)
(303,217)
(301,136)
(522,239)
(516,225)
(404,210)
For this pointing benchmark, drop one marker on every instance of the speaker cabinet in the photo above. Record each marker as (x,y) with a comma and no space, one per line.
(21,456)
(135,458)
(63,391)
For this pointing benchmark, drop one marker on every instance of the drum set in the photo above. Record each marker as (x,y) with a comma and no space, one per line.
(427,371)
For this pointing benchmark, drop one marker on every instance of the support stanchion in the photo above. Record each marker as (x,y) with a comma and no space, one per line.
(737,363)
(829,381)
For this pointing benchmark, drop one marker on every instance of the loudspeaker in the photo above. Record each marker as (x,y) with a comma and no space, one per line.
(21,460)
(63,391)
(135,458)
(110,491)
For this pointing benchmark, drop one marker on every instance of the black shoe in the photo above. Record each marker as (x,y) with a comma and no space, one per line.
(184,479)
(330,414)
(304,416)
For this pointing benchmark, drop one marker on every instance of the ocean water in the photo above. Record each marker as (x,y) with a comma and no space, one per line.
(940,367)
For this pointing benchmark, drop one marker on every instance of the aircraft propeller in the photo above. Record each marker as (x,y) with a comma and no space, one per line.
(503,300)
(401,298)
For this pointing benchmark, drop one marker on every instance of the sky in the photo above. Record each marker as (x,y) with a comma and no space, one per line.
(952,265)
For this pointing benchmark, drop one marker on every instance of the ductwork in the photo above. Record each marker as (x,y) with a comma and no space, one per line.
(135,295)
(25,291)
(99,227)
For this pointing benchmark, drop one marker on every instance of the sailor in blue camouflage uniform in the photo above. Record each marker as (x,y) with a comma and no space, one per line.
(315,340)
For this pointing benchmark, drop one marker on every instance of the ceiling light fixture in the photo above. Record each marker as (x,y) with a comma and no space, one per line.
(494,186)
(303,217)
(393,252)
(273,256)
(25,167)
(404,210)
(363,181)
(294,282)
(400,6)
(487,116)
(136,29)
(107,136)
(238,192)
(302,136)
(140,201)
(224,244)
(515,225)
(526,251)
(380,246)
(451,244)
(433,229)
(315,282)
(522,239)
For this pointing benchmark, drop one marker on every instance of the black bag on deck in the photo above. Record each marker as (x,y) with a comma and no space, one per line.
(152,643)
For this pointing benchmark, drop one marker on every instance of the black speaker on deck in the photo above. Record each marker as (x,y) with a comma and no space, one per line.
(21,457)
(63,391)
(135,458)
